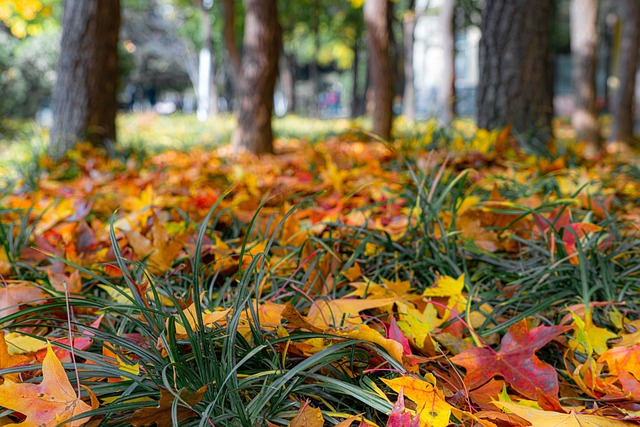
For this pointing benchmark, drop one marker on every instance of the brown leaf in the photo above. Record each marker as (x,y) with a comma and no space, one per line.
(161,414)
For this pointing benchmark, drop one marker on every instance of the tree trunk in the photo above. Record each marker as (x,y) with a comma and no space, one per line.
(408,96)
(228,33)
(207,91)
(584,40)
(314,73)
(84,97)
(355,70)
(257,78)
(622,107)
(513,87)
(446,92)
(376,16)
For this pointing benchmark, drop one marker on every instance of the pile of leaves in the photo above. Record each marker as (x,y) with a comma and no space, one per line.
(341,283)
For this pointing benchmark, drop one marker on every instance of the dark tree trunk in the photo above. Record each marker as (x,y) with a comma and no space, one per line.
(622,107)
(408,96)
(376,16)
(584,40)
(84,98)
(228,33)
(355,98)
(446,94)
(257,78)
(513,86)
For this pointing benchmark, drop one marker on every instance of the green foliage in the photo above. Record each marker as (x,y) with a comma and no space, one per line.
(27,73)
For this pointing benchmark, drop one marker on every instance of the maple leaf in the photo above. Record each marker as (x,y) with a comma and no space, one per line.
(516,361)
(540,418)
(161,415)
(47,404)
(432,409)
(399,417)
(308,417)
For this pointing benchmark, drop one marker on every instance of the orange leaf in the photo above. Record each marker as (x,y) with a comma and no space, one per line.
(46,404)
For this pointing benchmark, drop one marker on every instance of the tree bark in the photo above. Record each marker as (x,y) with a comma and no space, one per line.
(408,96)
(622,107)
(355,70)
(228,33)
(513,86)
(446,92)
(257,78)
(584,40)
(84,97)
(376,16)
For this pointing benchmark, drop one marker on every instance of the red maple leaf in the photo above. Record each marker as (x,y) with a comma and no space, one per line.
(516,361)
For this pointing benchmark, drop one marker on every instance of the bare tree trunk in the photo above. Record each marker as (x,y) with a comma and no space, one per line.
(584,40)
(513,86)
(622,107)
(376,16)
(257,77)
(446,94)
(84,98)
(408,96)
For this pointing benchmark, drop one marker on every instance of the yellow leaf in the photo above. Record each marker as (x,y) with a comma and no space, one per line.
(540,418)
(433,410)
(445,286)
(325,313)
(308,417)
(23,344)
(417,325)
(589,338)
(364,332)
(208,319)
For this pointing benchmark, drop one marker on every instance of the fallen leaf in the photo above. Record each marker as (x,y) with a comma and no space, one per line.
(16,294)
(326,313)
(432,409)
(8,360)
(540,418)
(516,361)
(161,415)
(399,417)
(47,404)
(308,417)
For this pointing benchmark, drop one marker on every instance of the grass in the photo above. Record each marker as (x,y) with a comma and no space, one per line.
(408,222)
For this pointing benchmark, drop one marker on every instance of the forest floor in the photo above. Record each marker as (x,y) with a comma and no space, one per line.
(453,276)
